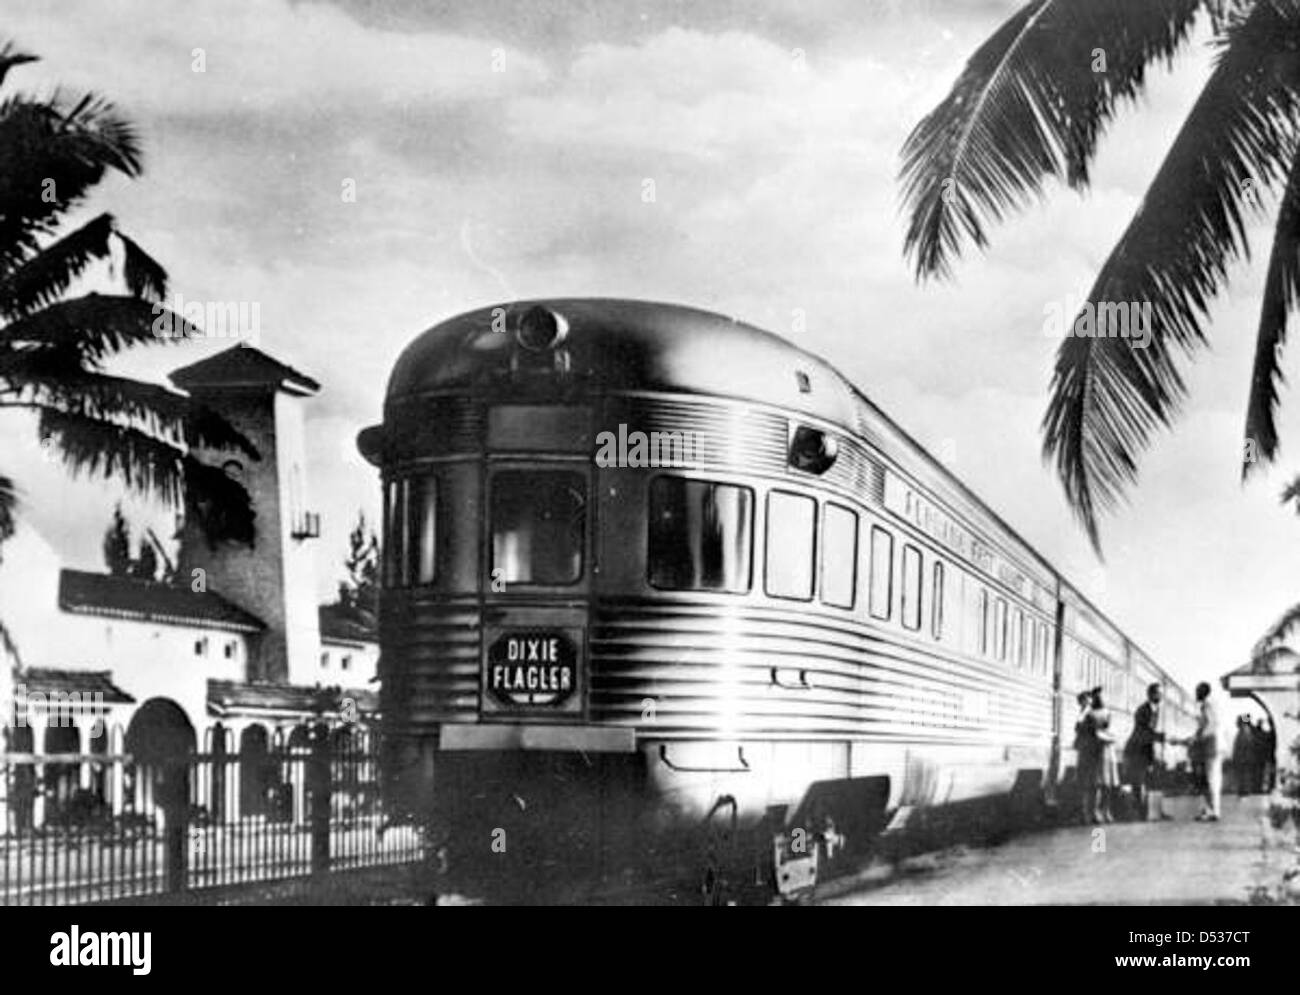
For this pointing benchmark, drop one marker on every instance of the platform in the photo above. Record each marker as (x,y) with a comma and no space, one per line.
(1240,859)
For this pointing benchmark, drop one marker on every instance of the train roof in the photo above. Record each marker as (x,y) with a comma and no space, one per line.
(631,345)
(621,344)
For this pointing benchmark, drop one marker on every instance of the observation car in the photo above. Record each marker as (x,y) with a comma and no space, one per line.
(653,575)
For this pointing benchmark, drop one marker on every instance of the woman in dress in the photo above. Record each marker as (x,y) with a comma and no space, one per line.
(1106,772)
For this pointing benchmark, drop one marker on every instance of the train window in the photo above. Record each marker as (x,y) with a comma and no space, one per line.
(422,529)
(1000,628)
(791,542)
(538,526)
(882,572)
(839,556)
(986,622)
(700,536)
(396,523)
(911,587)
(936,602)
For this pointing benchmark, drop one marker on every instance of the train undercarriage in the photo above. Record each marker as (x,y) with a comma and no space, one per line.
(570,827)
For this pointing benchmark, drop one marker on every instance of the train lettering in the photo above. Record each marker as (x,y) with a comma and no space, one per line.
(532,668)
(546,650)
(532,678)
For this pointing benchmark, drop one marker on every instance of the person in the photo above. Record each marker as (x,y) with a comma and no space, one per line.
(1140,755)
(1203,746)
(1085,757)
(1243,748)
(1105,772)
(1257,748)
(1269,756)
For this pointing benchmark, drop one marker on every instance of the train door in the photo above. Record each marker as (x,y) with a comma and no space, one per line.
(536,590)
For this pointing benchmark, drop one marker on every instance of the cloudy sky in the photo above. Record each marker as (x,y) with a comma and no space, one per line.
(500,149)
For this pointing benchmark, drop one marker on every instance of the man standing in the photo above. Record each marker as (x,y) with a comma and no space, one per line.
(1206,744)
(1140,756)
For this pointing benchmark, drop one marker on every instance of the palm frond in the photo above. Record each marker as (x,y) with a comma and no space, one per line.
(8,507)
(151,466)
(92,447)
(9,647)
(9,57)
(144,275)
(155,409)
(1031,103)
(97,325)
(1281,291)
(50,157)
(1264,662)
(1108,394)
(44,277)
(1291,494)
(1276,634)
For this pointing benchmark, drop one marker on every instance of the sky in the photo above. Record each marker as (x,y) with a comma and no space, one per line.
(502,149)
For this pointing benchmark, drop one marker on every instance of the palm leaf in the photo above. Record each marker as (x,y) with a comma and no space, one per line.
(1281,291)
(50,157)
(88,446)
(1264,662)
(155,409)
(1029,105)
(9,647)
(97,325)
(8,506)
(10,58)
(92,447)
(1108,396)
(45,277)
(1277,633)
(1291,494)
(144,276)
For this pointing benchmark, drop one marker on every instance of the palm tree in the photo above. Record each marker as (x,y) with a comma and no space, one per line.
(1032,103)
(53,347)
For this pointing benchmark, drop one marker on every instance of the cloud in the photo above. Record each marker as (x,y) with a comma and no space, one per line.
(259,56)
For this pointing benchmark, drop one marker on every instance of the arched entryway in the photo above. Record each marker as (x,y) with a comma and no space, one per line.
(161,743)
(255,773)
(61,778)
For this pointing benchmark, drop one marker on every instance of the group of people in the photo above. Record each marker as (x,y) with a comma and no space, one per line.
(1098,761)
(1254,756)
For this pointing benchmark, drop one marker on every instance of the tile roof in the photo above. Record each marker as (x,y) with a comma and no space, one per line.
(243,366)
(347,624)
(48,681)
(225,697)
(129,597)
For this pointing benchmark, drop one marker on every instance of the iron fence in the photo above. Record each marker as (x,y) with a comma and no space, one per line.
(99,826)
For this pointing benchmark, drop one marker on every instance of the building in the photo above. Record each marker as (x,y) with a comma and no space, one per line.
(235,656)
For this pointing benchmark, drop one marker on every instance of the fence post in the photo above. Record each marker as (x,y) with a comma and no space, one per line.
(173,798)
(318,787)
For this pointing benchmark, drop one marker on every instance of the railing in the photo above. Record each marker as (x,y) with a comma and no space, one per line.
(77,828)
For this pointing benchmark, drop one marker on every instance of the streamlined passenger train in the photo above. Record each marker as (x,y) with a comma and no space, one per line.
(648,571)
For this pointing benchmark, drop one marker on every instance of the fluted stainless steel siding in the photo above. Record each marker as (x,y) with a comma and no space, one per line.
(673,669)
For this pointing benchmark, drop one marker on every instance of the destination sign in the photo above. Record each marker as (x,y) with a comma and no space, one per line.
(532,668)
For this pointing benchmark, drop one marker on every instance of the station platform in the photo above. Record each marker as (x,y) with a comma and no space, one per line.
(1240,859)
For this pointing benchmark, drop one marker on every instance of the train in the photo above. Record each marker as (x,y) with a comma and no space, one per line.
(658,582)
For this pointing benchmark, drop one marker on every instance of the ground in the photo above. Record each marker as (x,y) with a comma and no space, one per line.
(1240,859)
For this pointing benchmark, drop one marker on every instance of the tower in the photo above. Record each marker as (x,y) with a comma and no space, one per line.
(275,578)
